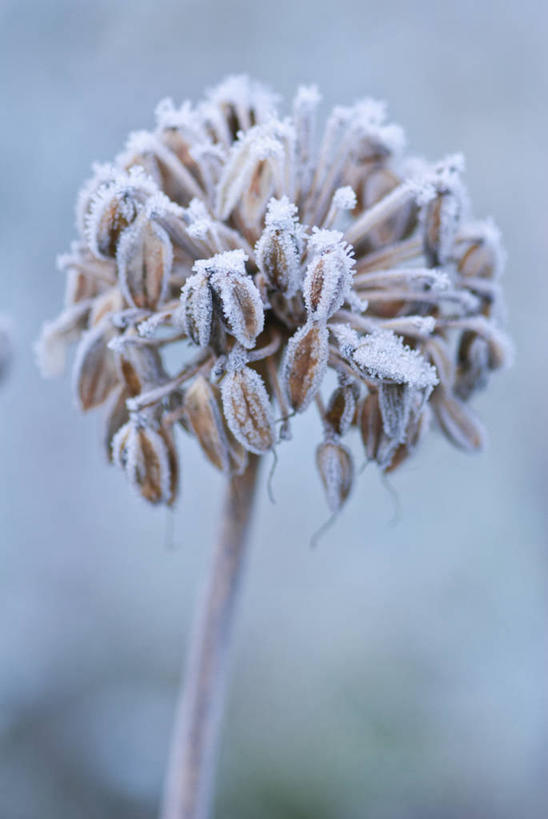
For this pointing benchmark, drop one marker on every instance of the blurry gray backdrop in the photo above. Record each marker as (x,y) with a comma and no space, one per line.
(399,669)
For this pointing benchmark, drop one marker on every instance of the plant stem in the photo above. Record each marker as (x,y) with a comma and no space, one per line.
(192,762)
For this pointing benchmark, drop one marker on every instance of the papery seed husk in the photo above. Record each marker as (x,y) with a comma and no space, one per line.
(479,261)
(377,184)
(440,227)
(395,405)
(371,427)
(112,216)
(473,365)
(336,469)
(144,257)
(149,459)
(196,309)
(204,415)
(111,301)
(117,416)
(341,409)
(304,365)
(458,423)
(95,374)
(140,367)
(247,409)
(242,306)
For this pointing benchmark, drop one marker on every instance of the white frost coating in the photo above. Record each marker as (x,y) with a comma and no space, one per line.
(487,231)
(305,106)
(368,123)
(232,261)
(243,93)
(127,453)
(344,198)
(395,402)
(336,469)
(103,174)
(328,279)
(247,409)
(159,205)
(185,119)
(382,355)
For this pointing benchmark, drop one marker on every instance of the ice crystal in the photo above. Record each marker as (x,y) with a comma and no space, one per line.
(276,255)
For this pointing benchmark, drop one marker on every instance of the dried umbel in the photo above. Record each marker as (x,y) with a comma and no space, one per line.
(265,258)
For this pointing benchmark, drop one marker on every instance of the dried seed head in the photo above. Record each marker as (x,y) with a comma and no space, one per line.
(247,409)
(202,407)
(304,365)
(196,311)
(117,416)
(336,469)
(280,246)
(149,460)
(328,279)
(211,205)
(144,258)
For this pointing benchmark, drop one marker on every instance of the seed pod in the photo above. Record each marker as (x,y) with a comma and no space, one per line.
(336,469)
(241,304)
(111,301)
(145,258)
(149,460)
(247,409)
(418,426)
(140,367)
(117,416)
(457,422)
(441,220)
(205,418)
(378,184)
(371,426)
(51,347)
(278,251)
(304,365)
(328,278)
(395,404)
(341,409)
(110,213)
(94,373)
(196,310)
(473,365)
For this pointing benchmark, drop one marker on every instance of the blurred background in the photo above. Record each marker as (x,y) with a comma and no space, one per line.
(397,671)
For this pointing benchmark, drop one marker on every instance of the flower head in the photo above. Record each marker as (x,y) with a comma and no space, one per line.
(262,258)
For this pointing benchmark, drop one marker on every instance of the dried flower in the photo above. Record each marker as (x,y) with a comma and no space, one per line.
(269,259)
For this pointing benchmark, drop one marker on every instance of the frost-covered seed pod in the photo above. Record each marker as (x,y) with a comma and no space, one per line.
(149,459)
(204,415)
(458,422)
(473,365)
(395,401)
(336,469)
(278,251)
(145,258)
(341,409)
(328,278)
(117,416)
(247,409)
(371,426)
(95,373)
(196,311)
(304,365)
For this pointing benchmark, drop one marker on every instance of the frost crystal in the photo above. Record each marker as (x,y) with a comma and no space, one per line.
(273,257)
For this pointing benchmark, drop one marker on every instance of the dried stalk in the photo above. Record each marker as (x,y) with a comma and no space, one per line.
(191,768)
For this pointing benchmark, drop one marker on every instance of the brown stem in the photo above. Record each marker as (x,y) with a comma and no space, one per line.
(191,768)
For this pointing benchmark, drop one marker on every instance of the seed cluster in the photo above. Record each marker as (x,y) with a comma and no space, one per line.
(228,259)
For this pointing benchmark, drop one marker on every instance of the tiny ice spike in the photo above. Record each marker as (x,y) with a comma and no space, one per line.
(263,258)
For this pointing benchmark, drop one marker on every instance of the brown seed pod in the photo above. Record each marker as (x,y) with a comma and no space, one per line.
(341,408)
(328,278)
(95,374)
(304,365)
(109,215)
(457,422)
(144,258)
(247,409)
(241,304)
(196,310)
(371,427)
(117,416)
(378,184)
(140,367)
(149,459)
(441,220)
(204,415)
(336,469)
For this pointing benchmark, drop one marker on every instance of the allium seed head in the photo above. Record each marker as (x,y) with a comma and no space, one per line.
(262,257)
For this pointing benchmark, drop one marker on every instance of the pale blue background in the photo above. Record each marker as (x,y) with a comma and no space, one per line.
(397,671)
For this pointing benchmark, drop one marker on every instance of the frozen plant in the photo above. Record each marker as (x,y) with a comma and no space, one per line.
(264,257)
